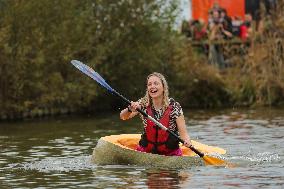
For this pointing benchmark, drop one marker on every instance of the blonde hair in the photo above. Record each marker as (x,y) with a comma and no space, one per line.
(147,100)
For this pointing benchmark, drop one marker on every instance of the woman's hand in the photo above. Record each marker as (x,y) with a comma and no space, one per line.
(187,143)
(133,106)
(183,132)
(130,111)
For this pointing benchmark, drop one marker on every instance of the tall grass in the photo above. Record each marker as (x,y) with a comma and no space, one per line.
(258,77)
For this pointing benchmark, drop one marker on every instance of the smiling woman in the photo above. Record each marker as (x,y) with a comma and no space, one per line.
(169,145)
(157,104)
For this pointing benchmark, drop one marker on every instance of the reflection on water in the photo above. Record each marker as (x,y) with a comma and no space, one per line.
(56,153)
(167,178)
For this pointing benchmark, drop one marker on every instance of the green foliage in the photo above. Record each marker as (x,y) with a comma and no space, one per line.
(124,40)
(38,39)
(141,45)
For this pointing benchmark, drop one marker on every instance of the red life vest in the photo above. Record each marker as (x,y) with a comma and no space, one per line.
(156,137)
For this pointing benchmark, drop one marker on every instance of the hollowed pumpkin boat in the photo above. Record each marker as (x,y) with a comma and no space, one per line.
(120,149)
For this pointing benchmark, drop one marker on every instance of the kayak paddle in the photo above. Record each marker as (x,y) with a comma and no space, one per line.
(95,76)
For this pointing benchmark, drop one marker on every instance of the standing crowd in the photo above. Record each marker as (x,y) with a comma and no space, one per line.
(219,26)
(215,35)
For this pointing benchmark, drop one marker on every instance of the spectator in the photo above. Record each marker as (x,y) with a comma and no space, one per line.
(226,34)
(226,24)
(216,7)
(236,24)
(214,19)
(246,28)
(198,29)
(219,28)
(214,25)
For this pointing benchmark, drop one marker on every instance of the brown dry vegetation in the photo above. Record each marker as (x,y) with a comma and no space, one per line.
(254,77)
(257,78)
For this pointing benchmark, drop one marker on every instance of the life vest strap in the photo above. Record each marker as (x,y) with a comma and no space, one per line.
(157,143)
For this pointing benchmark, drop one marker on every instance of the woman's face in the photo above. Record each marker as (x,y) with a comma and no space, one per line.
(155,87)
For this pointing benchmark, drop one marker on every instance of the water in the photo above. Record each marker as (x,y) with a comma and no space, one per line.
(56,153)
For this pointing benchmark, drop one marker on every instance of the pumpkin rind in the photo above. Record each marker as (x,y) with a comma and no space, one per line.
(120,149)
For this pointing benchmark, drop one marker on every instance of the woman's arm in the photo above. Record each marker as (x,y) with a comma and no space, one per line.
(130,111)
(182,130)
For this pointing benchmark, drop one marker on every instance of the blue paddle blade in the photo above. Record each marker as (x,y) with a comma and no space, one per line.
(92,74)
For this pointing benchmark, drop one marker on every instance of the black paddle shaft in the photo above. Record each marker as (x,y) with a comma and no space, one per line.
(128,102)
(159,124)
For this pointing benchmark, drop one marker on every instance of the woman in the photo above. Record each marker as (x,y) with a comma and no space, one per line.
(167,111)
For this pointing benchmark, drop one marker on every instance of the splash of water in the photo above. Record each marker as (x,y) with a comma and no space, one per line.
(259,157)
(59,164)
